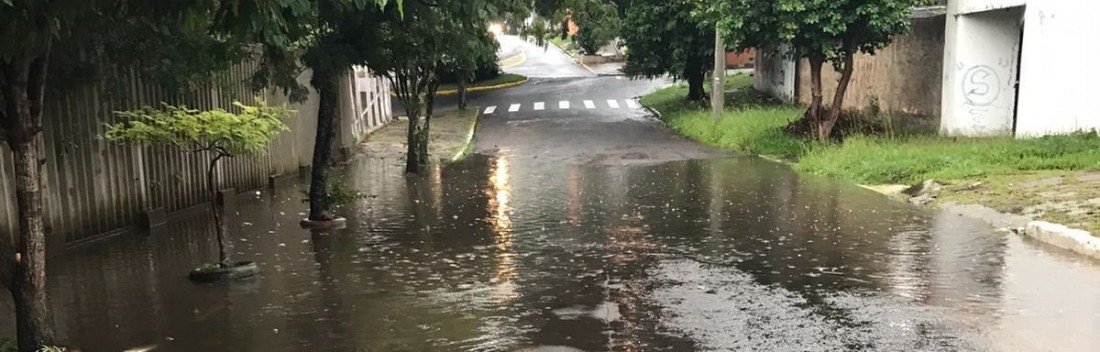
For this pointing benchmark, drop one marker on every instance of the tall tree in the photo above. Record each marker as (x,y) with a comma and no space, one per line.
(820,31)
(44,41)
(346,34)
(325,37)
(668,38)
(429,36)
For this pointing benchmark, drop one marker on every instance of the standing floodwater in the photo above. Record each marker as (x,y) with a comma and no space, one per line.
(507,253)
(586,228)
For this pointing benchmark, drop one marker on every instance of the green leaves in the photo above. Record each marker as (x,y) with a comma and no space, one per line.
(665,37)
(597,21)
(215,130)
(824,28)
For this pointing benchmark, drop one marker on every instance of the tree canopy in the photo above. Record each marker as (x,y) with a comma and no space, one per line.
(430,38)
(190,130)
(819,31)
(668,38)
(597,21)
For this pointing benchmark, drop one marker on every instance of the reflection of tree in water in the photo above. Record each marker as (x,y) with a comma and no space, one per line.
(497,249)
(334,313)
(437,278)
(127,285)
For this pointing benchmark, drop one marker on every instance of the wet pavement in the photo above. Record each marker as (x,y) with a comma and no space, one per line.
(500,252)
(548,61)
(584,230)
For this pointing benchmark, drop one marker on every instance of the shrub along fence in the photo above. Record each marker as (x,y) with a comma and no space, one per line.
(93,187)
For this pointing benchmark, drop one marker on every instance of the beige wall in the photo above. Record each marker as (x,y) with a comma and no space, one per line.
(906,76)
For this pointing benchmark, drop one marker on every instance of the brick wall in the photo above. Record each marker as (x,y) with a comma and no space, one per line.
(743,59)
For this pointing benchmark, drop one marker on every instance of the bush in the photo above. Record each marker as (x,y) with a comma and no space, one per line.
(598,24)
(487,69)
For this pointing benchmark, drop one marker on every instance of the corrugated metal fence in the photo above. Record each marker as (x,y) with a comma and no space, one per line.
(94,187)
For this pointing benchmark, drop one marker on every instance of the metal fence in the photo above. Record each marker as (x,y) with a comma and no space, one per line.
(94,187)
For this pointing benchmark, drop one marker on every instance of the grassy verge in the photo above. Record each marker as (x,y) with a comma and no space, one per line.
(988,171)
(868,159)
(502,79)
(448,139)
(752,122)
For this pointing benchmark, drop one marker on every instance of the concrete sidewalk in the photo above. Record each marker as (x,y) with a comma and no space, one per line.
(449,137)
(614,68)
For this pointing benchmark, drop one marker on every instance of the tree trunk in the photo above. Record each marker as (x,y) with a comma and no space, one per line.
(825,128)
(417,141)
(695,76)
(33,325)
(23,96)
(217,209)
(325,83)
(718,91)
(429,111)
(462,101)
(813,112)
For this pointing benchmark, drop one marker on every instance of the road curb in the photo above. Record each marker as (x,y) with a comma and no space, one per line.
(656,114)
(586,67)
(1052,234)
(1061,236)
(468,144)
(483,88)
(521,57)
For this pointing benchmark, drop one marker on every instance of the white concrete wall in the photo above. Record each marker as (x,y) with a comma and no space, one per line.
(775,75)
(970,6)
(1060,77)
(980,56)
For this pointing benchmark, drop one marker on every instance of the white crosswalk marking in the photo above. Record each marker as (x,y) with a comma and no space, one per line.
(588,104)
(490,110)
(513,108)
(564,104)
(614,104)
(633,104)
(539,106)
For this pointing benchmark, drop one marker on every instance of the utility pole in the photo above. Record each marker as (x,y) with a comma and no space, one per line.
(718,90)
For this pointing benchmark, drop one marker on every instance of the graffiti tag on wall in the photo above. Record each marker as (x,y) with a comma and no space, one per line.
(981,85)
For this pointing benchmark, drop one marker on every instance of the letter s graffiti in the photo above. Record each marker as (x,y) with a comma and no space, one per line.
(980,85)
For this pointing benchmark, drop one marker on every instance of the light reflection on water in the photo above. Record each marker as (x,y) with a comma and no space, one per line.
(499,253)
(504,289)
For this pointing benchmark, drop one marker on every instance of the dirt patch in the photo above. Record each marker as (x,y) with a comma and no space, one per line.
(449,135)
(1068,198)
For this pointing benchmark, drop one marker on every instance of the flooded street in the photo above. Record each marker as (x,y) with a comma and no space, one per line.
(591,228)
(512,253)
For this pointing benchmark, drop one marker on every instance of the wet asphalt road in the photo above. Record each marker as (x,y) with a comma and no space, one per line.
(541,62)
(585,230)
